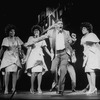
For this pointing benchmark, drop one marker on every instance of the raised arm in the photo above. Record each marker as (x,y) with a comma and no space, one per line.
(43,37)
(72,38)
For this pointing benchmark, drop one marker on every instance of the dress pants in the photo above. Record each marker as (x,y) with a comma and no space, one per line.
(60,62)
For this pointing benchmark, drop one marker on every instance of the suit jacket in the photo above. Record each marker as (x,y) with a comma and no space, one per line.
(51,34)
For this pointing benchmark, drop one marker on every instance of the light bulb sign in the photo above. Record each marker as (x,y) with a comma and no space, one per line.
(48,17)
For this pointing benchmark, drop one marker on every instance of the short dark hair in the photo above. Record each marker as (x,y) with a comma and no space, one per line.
(36,27)
(87,25)
(9,27)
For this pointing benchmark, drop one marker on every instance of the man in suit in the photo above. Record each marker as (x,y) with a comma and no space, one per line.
(60,41)
(71,72)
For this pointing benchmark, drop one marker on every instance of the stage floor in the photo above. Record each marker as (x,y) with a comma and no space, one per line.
(26,95)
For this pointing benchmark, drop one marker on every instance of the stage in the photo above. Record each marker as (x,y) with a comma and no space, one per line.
(26,95)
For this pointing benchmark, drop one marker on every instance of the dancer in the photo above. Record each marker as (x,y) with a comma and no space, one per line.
(10,63)
(71,71)
(60,40)
(35,64)
(91,57)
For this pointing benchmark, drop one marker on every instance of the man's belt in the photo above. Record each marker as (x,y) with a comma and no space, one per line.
(60,51)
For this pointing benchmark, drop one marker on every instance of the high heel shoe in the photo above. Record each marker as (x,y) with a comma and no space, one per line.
(92,92)
(32,91)
(85,90)
(14,91)
(39,91)
(5,92)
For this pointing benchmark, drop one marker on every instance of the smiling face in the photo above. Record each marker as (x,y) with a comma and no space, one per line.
(36,33)
(84,30)
(12,32)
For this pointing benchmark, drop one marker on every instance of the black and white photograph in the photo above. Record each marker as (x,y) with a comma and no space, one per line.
(49,49)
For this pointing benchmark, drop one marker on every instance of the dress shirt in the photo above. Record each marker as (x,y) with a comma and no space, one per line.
(60,45)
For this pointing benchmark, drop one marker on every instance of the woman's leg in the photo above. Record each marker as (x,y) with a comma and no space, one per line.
(93,79)
(72,74)
(18,74)
(89,81)
(14,80)
(39,77)
(33,76)
(92,88)
(7,74)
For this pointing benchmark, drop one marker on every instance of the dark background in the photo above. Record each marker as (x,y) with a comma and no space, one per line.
(23,14)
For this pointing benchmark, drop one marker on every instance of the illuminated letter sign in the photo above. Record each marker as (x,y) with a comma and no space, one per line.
(48,18)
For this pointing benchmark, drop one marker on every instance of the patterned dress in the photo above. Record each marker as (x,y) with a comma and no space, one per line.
(10,61)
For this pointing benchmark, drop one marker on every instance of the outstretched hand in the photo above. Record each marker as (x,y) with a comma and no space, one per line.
(52,56)
(73,35)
